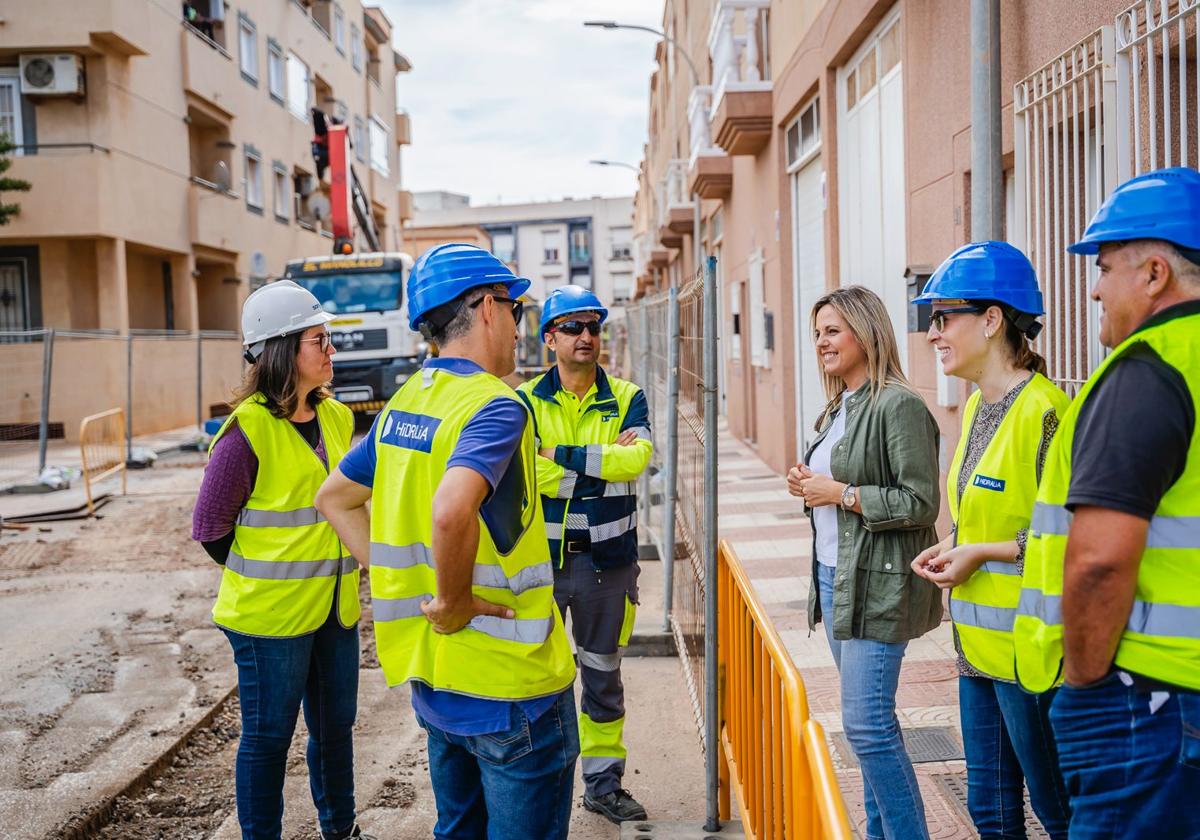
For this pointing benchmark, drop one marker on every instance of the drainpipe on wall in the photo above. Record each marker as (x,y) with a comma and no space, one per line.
(987,169)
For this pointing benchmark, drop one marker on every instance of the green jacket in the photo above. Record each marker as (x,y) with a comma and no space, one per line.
(889,452)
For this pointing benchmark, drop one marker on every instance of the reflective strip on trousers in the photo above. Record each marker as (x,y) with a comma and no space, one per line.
(288,569)
(531,577)
(527,630)
(599,661)
(297,518)
(616,528)
(401,556)
(1166,620)
(1164,532)
(594,459)
(592,765)
(970,614)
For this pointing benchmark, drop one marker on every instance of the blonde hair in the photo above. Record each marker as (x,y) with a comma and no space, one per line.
(871,326)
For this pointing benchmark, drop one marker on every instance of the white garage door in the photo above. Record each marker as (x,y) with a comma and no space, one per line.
(871,197)
(808,263)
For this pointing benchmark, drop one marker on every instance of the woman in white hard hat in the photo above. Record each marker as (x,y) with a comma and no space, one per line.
(289,591)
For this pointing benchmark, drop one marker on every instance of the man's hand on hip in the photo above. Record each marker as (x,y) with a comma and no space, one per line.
(450,617)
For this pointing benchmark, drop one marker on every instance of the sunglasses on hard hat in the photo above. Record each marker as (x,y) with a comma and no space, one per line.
(577,328)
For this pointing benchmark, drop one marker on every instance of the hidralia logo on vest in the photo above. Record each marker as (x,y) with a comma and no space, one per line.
(988,483)
(409,431)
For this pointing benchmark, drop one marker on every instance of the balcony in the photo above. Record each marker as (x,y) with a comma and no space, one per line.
(209,72)
(741,117)
(215,218)
(79,170)
(710,169)
(115,26)
(675,209)
(659,258)
(406,206)
(403,129)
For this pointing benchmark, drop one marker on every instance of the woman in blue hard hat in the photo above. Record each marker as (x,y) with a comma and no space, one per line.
(985,302)
(288,600)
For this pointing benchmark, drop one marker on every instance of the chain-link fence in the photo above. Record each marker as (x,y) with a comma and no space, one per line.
(164,380)
(670,342)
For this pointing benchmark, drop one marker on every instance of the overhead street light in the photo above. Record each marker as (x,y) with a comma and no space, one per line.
(612,24)
(615,163)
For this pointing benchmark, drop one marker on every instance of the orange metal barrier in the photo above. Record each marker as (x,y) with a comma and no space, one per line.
(102,448)
(777,760)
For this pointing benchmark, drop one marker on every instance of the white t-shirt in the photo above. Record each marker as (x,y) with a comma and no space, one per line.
(825,520)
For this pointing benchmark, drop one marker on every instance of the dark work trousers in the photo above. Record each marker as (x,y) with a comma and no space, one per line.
(602,605)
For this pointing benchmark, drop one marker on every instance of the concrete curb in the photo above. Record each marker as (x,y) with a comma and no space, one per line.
(651,643)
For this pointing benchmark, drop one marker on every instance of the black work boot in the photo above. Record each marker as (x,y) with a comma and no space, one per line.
(617,806)
(356,833)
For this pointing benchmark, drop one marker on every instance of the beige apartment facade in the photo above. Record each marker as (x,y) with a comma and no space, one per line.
(171,162)
(830,144)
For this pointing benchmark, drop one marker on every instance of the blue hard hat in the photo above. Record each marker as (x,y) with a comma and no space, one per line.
(568,299)
(987,270)
(445,272)
(1164,204)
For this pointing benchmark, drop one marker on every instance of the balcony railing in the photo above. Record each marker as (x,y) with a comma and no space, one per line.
(737,44)
(699,119)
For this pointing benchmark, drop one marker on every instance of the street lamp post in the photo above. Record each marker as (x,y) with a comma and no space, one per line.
(712,822)
(619,163)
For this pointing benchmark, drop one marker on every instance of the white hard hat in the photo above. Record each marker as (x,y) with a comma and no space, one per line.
(279,308)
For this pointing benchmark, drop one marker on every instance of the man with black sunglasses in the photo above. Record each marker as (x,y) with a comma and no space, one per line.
(594,441)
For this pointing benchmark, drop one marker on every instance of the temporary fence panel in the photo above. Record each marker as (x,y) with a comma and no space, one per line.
(102,450)
(1070,134)
(23,420)
(776,761)
(1158,84)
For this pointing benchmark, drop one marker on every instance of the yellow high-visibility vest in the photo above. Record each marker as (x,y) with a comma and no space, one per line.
(500,658)
(997,503)
(1162,634)
(286,563)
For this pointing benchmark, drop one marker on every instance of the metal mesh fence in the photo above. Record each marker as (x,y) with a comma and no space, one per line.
(53,379)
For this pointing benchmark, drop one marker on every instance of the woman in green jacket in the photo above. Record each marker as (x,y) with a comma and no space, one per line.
(870,486)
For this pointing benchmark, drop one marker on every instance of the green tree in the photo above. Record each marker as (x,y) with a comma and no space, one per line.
(8,211)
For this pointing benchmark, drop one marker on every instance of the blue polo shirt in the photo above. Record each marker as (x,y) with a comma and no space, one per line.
(486,445)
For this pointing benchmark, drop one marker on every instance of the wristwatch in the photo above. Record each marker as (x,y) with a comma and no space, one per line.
(849,497)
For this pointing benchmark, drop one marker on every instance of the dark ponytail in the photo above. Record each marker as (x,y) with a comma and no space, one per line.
(1022,349)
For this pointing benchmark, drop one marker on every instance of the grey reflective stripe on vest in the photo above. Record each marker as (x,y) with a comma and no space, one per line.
(531,577)
(566,485)
(577,522)
(593,765)
(1052,520)
(394,609)
(599,661)
(970,614)
(287,569)
(594,459)
(999,567)
(1045,608)
(616,528)
(1173,620)
(532,631)
(297,518)
(401,556)
(643,432)
(619,488)
(1164,532)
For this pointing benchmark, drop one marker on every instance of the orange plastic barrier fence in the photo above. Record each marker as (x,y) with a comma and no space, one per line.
(777,761)
(102,449)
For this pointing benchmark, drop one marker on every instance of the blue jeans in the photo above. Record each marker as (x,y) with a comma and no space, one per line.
(276,677)
(1008,742)
(870,674)
(511,785)
(1131,772)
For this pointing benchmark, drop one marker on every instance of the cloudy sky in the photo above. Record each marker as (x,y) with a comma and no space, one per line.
(511,98)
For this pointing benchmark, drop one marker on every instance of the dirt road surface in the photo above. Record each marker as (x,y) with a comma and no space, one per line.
(108,657)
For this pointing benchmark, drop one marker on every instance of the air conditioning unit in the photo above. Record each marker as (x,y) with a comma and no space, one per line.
(52,75)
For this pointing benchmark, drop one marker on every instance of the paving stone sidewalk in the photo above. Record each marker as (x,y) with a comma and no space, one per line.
(773,540)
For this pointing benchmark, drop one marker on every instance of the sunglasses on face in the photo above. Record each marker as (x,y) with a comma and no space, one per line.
(517,306)
(577,328)
(323,341)
(937,319)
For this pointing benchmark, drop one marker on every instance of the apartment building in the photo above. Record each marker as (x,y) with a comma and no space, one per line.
(829,143)
(588,242)
(170,155)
